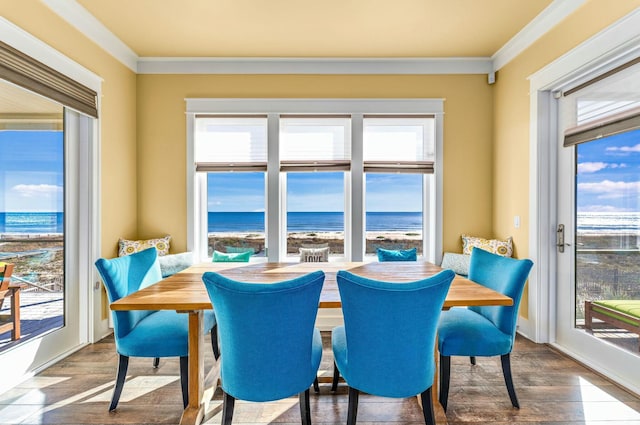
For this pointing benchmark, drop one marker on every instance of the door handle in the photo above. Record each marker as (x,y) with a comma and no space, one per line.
(560,238)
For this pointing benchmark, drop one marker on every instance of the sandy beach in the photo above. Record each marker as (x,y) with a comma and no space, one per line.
(38,258)
(335,241)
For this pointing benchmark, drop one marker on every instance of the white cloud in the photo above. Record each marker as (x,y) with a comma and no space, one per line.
(604,208)
(594,167)
(33,190)
(591,167)
(625,149)
(608,189)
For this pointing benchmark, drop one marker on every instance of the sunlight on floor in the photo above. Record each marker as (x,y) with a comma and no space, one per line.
(272,412)
(598,405)
(70,400)
(134,388)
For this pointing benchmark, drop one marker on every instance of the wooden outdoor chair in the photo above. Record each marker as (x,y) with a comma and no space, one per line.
(9,322)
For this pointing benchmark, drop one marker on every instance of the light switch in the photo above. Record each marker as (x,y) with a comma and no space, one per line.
(516,221)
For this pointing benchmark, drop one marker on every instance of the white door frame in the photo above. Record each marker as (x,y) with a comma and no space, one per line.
(611,47)
(35,355)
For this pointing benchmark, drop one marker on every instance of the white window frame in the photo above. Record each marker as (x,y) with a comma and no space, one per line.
(354,180)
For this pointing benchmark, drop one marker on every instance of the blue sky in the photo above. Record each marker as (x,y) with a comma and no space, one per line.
(32,180)
(608,174)
(31,171)
(317,192)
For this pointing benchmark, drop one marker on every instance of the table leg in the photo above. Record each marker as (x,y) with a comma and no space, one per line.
(15,314)
(194,413)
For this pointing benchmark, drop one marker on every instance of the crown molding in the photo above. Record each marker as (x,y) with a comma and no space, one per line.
(86,23)
(539,26)
(93,29)
(611,47)
(314,66)
(19,39)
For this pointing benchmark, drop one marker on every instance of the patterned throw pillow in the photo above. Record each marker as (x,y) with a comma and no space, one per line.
(459,263)
(126,247)
(504,248)
(314,255)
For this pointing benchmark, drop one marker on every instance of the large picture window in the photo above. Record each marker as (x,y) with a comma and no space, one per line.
(398,159)
(347,175)
(314,154)
(231,152)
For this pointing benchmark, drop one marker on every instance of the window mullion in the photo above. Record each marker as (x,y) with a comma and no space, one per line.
(355,232)
(275,218)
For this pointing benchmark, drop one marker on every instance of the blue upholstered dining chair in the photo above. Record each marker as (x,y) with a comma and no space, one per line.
(152,334)
(269,347)
(386,346)
(484,331)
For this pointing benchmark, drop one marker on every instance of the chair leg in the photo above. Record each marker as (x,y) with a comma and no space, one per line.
(352,411)
(316,385)
(506,371)
(336,377)
(156,362)
(473,360)
(427,407)
(184,379)
(305,407)
(214,342)
(227,408)
(445,373)
(123,364)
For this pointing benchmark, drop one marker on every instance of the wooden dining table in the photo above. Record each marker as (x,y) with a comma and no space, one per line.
(185,292)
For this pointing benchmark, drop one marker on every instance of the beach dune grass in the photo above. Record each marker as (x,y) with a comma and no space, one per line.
(38,259)
(296,240)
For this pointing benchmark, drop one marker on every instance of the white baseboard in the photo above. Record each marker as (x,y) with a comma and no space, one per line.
(329,318)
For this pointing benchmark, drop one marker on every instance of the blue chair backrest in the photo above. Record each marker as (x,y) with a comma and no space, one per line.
(125,275)
(266,333)
(504,275)
(391,330)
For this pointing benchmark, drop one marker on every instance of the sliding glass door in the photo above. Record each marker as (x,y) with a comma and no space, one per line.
(598,229)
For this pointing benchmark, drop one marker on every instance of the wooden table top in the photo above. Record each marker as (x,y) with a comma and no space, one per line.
(185,291)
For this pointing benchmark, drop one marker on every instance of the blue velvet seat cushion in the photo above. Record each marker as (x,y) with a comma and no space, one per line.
(164,333)
(463,332)
(397,254)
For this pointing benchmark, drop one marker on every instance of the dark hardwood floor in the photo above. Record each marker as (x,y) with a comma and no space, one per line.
(552,389)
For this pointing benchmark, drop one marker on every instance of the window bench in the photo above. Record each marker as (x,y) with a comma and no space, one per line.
(624,314)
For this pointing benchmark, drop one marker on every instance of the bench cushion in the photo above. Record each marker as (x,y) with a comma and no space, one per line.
(459,263)
(629,307)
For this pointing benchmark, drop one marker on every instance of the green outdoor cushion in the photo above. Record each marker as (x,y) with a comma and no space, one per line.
(237,257)
(629,307)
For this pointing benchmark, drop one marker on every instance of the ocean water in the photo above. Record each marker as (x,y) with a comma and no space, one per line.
(609,223)
(31,222)
(53,222)
(313,221)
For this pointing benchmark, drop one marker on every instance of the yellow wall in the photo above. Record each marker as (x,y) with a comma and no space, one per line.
(486,128)
(117,120)
(511,117)
(468,134)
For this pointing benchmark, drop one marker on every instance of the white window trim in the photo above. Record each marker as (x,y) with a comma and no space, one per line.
(354,243)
